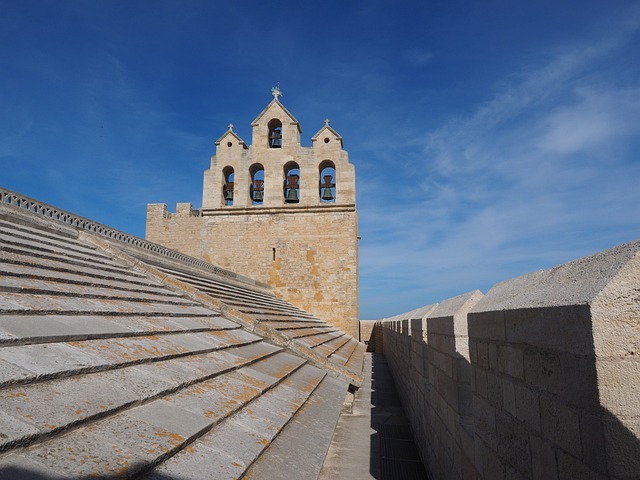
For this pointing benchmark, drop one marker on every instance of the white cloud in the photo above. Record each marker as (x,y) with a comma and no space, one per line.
(417,58)
(597,118)
(544,172)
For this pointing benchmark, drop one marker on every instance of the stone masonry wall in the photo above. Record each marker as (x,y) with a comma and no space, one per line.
(539,379)
(306,251)
(308,258)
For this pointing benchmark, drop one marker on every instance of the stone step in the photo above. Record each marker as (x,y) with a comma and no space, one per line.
(88,271)
(136,439)
(304,345)
(231,447)
(43,304)
(254,306)
(319,339)
(30,363)
(243,295)
(342,355)
(327,348)
(35,247)
(355,362)
(33,411)
(282,319)
(269,313)
(299,333)
(39,273)
(44,237)
(288,325)
(33,286)
(29,329)
(70,262)
(315,422)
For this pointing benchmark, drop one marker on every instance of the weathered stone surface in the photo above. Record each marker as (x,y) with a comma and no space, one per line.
(315,422)
(556,370)
(308,251)
(125,370)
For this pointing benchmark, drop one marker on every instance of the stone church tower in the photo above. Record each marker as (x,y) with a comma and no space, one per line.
(277,212)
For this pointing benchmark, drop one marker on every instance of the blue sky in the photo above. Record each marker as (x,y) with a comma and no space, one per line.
(490,138)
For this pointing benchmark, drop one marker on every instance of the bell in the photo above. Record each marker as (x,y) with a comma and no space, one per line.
(326,194)
(228,195)
(292,196)
(275,139)
(258,196)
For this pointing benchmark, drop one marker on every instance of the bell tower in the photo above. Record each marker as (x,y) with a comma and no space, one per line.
(278,212)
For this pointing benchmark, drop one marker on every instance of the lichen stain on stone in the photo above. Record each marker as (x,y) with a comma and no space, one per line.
(175,438)
(17,395)
(274,274)
(314,271)
(210,414)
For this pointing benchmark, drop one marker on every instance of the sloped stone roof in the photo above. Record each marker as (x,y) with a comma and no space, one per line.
(120,359)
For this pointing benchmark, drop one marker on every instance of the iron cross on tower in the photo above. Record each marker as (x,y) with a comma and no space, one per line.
(275,91)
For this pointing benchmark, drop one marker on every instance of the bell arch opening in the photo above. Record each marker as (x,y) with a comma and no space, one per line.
(256,189)
(227,187)
(291,190)
(327,184)
(275,133)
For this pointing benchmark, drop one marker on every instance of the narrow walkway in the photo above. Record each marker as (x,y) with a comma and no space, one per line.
(374,441)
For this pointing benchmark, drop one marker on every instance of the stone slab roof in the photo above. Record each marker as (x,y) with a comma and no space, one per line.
(122,361)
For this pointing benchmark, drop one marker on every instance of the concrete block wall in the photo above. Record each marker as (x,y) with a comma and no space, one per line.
(539,379)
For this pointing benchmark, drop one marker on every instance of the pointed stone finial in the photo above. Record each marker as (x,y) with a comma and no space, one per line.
(231,127)
(326,122)
(276,92)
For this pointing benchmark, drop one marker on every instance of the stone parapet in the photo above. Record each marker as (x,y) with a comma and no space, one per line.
(538,379)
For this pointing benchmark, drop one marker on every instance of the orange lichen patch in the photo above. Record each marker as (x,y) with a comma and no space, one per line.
(254,382)
(243,396)
(310,385)
(50,426)
(78,411)
(210,414)
(236,464)
(228,336)
(175,438)
(27,415)
(16,395)
(264,442)
(199,389)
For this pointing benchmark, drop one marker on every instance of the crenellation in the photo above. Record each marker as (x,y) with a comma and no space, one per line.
(549,388)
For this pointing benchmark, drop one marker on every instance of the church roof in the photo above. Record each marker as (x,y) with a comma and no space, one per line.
(121,357)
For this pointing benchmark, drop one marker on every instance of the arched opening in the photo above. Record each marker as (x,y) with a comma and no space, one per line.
(227,187)
(291,190)
(256,189)
(275,133)
(327,187)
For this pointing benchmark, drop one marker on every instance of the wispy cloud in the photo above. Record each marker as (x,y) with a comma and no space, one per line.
(535,176)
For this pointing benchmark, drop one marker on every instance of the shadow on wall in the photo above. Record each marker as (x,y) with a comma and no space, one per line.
(25,473)
(532,406)
(393,451)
